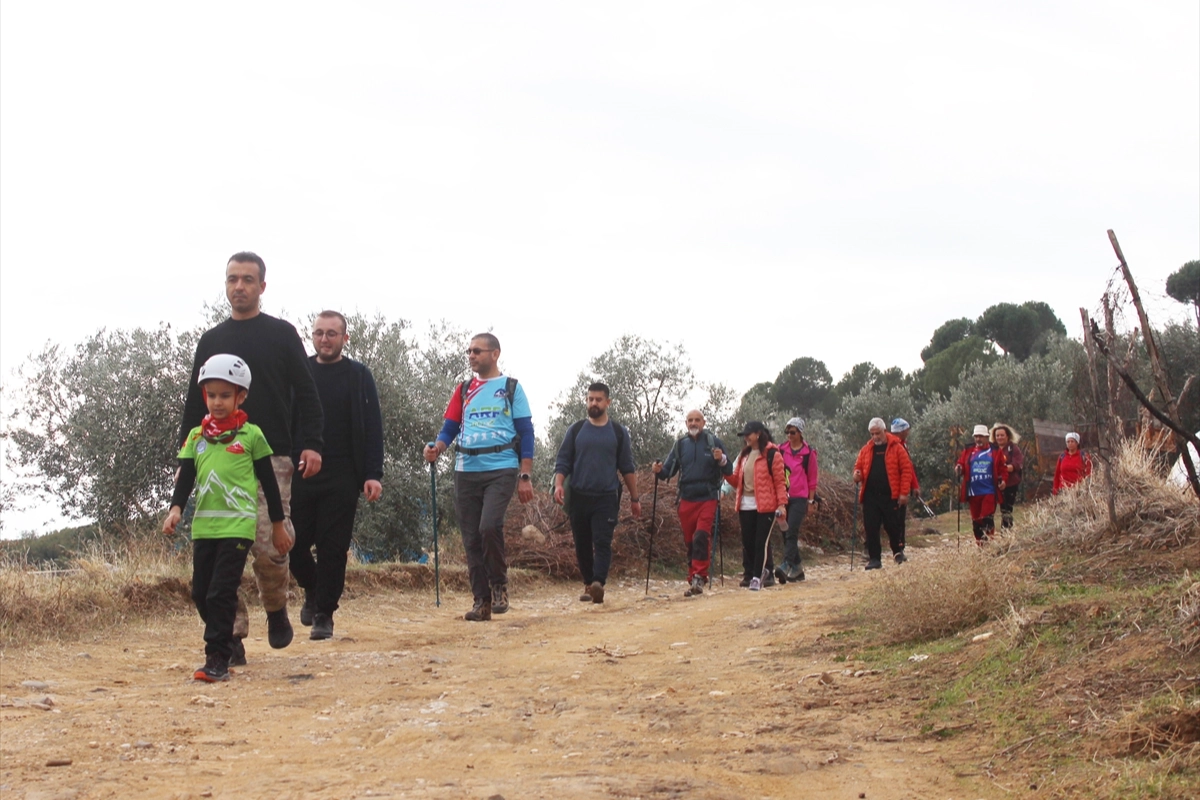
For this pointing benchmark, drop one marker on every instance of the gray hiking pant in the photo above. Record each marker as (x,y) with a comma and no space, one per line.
(481,500)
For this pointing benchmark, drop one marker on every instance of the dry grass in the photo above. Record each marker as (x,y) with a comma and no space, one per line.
(940,596)
(1151,513)
(104,585)
(1187,615)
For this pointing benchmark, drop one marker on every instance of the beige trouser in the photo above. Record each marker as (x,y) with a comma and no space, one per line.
(270,568)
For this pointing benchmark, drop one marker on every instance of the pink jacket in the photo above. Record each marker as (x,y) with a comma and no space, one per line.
(801,483)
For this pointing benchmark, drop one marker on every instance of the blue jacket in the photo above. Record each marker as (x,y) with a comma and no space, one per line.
(699,473)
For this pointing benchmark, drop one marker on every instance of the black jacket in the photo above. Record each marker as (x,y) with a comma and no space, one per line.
(366,422)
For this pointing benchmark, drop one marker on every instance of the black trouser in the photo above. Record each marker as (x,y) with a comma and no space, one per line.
(885,512)
(217,566)
(480,500)
(593,520)
(756,528)
(1008,499)
(323,509)
(796,511)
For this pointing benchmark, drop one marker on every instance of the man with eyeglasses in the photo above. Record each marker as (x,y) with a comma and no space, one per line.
(272,349)
(701,462)
(490,417)
(323,507)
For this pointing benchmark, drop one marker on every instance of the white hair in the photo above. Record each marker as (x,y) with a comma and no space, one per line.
(876,423)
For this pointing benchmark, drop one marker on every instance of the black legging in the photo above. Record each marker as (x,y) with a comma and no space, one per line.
(755,527)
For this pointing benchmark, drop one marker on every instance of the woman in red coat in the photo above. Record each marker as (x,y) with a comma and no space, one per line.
(983,473)
(1014,463)
(761,497)
(1073,465)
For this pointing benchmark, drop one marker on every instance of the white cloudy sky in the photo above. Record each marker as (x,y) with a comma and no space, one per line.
(847,175)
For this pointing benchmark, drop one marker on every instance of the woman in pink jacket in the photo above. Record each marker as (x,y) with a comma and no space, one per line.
(800,461)
(761,497)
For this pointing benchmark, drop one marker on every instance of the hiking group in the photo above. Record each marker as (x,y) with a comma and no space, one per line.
(279,445)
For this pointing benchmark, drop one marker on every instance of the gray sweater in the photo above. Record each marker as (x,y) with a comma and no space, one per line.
(590,458)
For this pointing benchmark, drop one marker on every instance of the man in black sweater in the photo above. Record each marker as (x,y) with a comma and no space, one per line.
(595,454)
(276,357)
(323,507)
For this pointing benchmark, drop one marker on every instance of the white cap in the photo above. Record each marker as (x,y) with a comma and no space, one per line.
(982,430)
(900,425)
(1073,435)
(795,422)
(225,367)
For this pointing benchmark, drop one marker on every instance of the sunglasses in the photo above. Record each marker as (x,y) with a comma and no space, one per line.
(474,351)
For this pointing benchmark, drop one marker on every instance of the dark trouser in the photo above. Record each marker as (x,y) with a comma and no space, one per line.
(323,509)
(756,528)
(796,512)
(696,518)
(593,520)
(217,566)
(480,500)
(885,512)
(1006,506)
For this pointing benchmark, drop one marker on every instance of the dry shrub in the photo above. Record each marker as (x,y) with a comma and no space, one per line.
(942,595)
(1187,615)
(554,555)
(1164,729)
(105,583)
(1151,513)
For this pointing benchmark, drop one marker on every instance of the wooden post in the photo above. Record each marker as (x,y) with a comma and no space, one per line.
(1160,373)
(1103,423)
(1113,382)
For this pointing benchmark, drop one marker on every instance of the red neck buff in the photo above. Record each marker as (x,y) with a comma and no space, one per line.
(219,428)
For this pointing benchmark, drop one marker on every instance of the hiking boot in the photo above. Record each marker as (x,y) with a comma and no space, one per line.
(322,626)
(900,557)
(874,563)
(238,659)
(697,587)
(279,629)
(781,575)
(1006,520)
(215,669)
(595,590)
(768,581)
(755,584)
(791,572)
(585,597)
(744,582)
(307,610)
(481,612)
(500,598)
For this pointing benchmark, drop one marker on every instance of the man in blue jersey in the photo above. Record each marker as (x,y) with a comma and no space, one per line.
(490,417)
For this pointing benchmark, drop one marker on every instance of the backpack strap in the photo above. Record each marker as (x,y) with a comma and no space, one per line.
(510,387)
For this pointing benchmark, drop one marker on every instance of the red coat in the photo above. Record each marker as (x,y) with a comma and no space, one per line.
(770,488)
(1071,469)
(999,470)
(895,458)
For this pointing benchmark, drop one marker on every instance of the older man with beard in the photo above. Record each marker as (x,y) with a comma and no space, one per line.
(701,463)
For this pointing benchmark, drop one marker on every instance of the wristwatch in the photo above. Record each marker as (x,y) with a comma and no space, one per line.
(524,476)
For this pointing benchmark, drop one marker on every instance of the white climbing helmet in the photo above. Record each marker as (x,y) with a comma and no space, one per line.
(227,368)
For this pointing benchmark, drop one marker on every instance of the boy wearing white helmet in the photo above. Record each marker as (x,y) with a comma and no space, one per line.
(227,458)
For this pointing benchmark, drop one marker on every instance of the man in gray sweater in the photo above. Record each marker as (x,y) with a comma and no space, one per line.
(595,456)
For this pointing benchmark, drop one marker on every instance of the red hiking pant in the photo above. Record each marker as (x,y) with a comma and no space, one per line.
(696,518)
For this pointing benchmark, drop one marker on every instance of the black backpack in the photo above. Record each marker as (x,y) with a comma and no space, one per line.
(572,436)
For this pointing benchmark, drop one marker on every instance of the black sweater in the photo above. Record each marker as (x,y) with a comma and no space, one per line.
(279,376)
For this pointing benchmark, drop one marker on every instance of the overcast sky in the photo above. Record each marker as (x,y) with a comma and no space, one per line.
(847,176)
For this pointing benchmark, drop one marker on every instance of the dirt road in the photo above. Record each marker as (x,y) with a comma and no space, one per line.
(660,697)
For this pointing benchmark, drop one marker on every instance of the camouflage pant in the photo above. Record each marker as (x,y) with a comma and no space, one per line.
(270,568)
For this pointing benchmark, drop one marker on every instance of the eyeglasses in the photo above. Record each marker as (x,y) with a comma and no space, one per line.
(327,335)
(791,431)
(474,351)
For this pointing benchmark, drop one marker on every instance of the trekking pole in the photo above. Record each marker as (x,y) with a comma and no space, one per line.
(854,531)
(717,540)
(766,548)
(653,526)
(437,575)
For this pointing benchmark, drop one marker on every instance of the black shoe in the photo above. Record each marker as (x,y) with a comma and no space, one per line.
(238,659)
(596,590)
(768,581)
(322,626)
(215,669)
(500,598)
(781,575)
(696,587)
(279,629)
(874,564)
(790,572)
(900,557)
(307,610)
(585,597)
(744,582)
(480,612)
